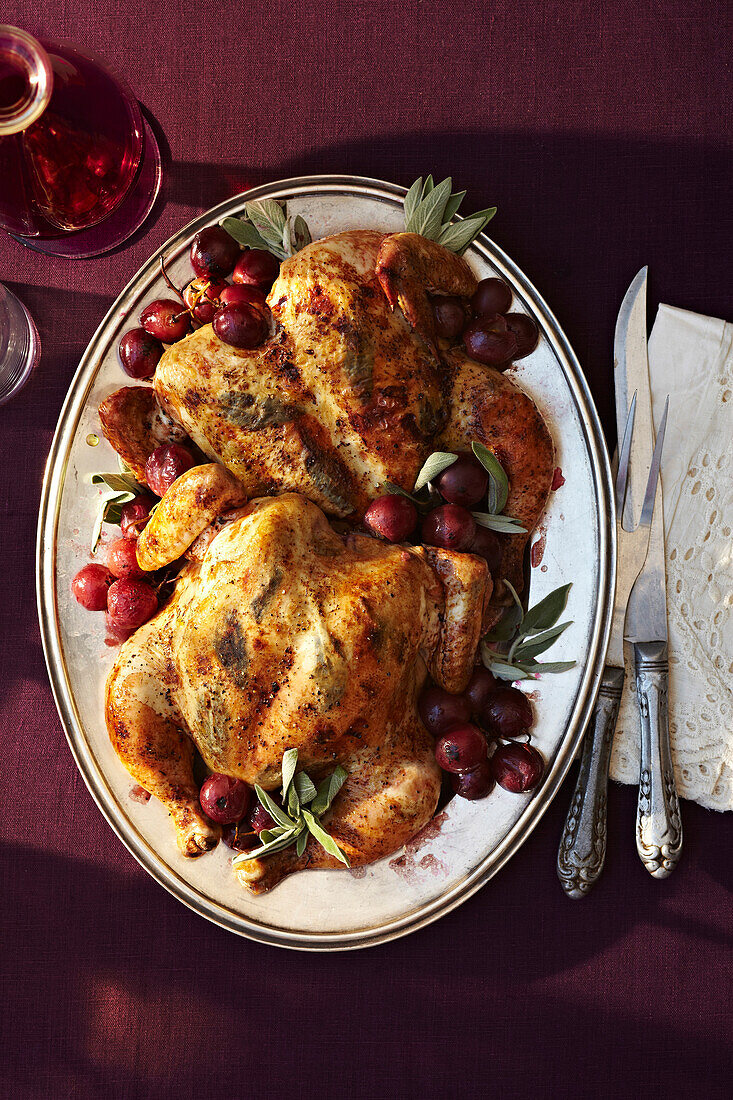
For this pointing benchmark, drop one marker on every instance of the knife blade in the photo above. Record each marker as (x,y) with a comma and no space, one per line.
(658,821)
(646,615)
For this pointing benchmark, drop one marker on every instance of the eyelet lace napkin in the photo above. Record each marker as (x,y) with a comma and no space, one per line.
(691,358)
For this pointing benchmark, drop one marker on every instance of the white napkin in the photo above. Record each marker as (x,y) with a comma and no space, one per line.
(691,358)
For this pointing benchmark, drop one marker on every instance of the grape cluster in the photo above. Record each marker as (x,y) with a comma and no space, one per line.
(488,713)
(450,525)
(238,311)
(490,333)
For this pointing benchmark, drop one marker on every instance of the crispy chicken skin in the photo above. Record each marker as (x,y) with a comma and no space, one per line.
(283,634)
(344,395)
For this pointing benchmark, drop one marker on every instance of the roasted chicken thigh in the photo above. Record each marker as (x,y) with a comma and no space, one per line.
(282,634)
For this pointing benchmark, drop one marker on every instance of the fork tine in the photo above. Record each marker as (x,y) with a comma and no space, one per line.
(647,510)
(622,476)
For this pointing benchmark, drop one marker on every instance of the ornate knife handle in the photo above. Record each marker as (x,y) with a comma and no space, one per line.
(583,844)
(658,821)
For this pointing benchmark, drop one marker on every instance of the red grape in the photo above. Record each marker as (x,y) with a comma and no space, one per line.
(115,632)
(252,295)
(450,317)
(122,560)
(256,267)
(166,320)
(260,819)
(480,686)
(488,340)
(449,526)
(465,482)
(130,604)
(139,353)
(507,712)
(240,325)
(214,252)
(393,517)
(134,515)
(90,587)
(491,296)
(240,837)
(165,464)
(224,799)
(487,545)
(517,768)
(202,296)
(439,710)
(461,749)
(474,784)
(525,333)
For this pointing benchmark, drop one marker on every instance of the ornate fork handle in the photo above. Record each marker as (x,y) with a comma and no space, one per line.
(583,844)
(658,821)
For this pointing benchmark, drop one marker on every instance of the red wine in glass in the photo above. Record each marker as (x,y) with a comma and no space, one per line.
(71,139)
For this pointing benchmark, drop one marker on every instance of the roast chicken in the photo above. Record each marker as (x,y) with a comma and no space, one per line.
(284,631)
(282,634)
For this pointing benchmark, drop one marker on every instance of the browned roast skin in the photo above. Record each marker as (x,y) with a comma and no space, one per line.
(288,635)
(487,406)
(344,395)
(132,422)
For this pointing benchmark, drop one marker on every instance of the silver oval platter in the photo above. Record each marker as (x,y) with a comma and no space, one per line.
(468,842)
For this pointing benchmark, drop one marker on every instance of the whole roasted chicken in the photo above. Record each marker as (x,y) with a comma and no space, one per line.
(283,634)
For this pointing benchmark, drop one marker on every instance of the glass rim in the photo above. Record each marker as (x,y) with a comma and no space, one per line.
(23,47)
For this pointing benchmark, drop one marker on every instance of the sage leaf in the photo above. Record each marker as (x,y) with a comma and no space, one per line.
(552,666)
(244,233)
(507,672)
(324,839)
(327,791)
(412,198)
(121,483)
(273,834)
(305,787)
(301,843)
(428,187)
(495,470)
(268,218)
(546,613)
(273,809)
(266,849)
(289,764)
(459,236)
(505,525)
(300,233)
(434,465)
(397,490)
(110,511)
(451,207)
(428,218)
(540,642)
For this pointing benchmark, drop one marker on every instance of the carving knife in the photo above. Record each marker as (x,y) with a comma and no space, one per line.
(658,822)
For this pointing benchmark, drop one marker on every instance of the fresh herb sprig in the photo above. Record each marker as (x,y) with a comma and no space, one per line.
(425,498)
(525,635)
(303,804)
(429,211)
(122,488)
(266,225)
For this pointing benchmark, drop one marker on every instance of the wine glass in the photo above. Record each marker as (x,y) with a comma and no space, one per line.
(79,166)
(20,346)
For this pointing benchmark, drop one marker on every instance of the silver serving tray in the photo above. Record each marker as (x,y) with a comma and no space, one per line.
(470,841)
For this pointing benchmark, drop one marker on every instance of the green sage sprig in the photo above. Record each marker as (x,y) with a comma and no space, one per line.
(303,804)
(122,488)
(525,635)
(266,225)
(430,209)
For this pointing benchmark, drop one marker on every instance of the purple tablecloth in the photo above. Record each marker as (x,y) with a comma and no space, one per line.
(603,133)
